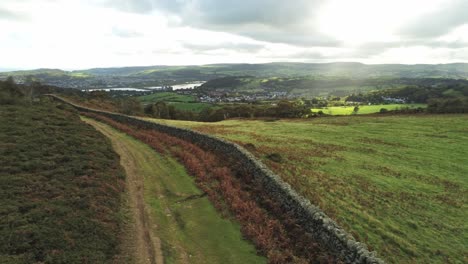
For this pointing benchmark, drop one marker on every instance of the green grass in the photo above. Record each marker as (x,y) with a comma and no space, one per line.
(365,109)
(190,230)
(167,97)
(60,188)
(80,75)
(179,101)
(397,183)
(194,107)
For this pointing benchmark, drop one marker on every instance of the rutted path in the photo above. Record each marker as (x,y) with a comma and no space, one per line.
(146,248)
(173,221)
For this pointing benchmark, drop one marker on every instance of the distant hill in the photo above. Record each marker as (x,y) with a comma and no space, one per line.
(285,69)
(310,86)
(167,75)
(37,72)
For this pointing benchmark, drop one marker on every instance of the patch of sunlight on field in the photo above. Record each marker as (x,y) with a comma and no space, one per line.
(365,109)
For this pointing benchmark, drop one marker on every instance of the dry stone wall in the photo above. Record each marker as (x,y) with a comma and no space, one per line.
(311,218)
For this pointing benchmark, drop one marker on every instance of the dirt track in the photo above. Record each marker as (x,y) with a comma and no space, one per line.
(143,246)
(172,219)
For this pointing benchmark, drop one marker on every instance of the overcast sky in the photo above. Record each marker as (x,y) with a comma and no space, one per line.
(77,34)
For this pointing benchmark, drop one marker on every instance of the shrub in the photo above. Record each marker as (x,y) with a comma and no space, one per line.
(250,147)
(276,157)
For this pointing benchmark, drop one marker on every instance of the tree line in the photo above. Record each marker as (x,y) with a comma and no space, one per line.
(414,93)
(281,109)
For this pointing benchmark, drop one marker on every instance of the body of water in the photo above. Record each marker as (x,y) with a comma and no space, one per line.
(175,87)
(186,85)
(116,89)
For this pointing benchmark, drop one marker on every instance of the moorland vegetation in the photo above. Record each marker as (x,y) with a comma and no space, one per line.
(60,184)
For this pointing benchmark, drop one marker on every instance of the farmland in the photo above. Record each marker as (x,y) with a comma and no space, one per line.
(167,96)
(397,183)
(365,109)
(179,101)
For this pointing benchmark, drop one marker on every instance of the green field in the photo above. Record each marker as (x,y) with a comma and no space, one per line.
(193,107)
(188,226)
(397,183)
(365,109)
(167,97)
(179,101)
(60,187)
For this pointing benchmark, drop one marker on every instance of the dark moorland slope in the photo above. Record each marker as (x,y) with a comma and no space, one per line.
(60,186)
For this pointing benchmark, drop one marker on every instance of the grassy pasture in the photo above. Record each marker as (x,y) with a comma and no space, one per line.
(179,101)
(364,109)
(397,183)
(194,107)
(167,96)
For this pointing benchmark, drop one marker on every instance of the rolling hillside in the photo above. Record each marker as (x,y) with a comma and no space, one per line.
(396,182)
(168,75)
(351,69)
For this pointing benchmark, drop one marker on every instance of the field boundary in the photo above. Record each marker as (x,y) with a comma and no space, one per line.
(311,218)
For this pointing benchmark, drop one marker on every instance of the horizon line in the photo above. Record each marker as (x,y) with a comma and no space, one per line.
(5,70)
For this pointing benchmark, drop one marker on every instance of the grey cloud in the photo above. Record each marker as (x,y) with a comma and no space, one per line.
(266,12)
(375,48)
(459,55)
(370,49)
(450,45)
(136,6)
(239,47)
(297,37)
(148,6)
(275,21)
(269,12)
(307,55)
(310,56)
(439,22)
